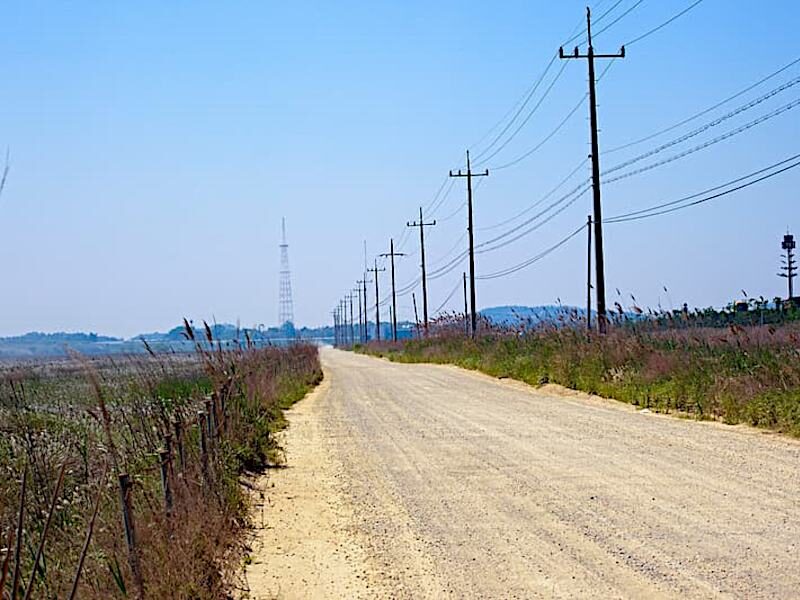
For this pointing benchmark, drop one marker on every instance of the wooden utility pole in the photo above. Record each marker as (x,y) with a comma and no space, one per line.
(335,316)
(352,329)
(469,175)
(364,283)
(391,254)
(589,274)
(416,316)
(466,309)
(360,313)
(602,319)
(343,311)
(422,225)
(375,270)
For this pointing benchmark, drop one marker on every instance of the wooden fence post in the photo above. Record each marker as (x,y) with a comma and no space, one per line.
(164,456)
(125,486)
(210,420)
(20,518)
(201,426)
(179,441)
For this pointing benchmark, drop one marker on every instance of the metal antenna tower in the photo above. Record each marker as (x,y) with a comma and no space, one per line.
(285,308)
(789,267)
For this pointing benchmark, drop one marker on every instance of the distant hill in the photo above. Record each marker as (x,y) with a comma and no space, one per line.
(56,344)
(37,344)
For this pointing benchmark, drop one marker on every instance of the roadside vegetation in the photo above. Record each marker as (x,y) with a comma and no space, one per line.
(125,474)
(734,373)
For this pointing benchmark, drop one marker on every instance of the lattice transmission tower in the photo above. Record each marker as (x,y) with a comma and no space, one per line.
(285,308)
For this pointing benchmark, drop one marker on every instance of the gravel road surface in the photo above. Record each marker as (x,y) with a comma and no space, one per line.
(424,481)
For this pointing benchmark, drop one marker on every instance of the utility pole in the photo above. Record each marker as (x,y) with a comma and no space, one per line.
(343,313)
(375,270)
(338,326)
(589,274)
(598,216)
(335,316)
(789,269)
(391,254)
(469,175)
(422,225)
(364,283)
(416,316)
(360,314)
(466,310)
(344,319)
(352,331)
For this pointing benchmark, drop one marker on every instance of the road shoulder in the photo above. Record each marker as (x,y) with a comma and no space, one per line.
(304,544)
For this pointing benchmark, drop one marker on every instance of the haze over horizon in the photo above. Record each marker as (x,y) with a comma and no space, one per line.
(154,149)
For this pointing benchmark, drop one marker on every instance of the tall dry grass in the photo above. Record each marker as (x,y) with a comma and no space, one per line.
(738,374)
(107,416)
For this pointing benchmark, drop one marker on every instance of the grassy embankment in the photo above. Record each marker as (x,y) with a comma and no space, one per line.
(737,375)
(103,419)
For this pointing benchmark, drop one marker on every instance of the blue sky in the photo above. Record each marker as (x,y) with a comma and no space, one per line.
(155,147)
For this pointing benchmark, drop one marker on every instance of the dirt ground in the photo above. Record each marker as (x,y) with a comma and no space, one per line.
(424,481)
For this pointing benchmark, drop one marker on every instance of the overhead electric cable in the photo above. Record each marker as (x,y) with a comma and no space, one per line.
(702,129)
(576,191)
(554,131)
(539,225)
(561,184)
(618,19)
(664,24)
(449,297)
(703,112)
(532,260)
(675,205)
(526,119)
(711,142)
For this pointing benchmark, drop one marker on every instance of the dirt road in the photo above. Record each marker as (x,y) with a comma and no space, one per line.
(421,481)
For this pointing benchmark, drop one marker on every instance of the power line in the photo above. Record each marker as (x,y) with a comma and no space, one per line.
(533,259)
(520,104)
(561,184)
(527,118)
(668,207)
(449,297)
(703,112)
(664,24)
(716,140)
(455,212)
(452,249)
(600,18)
(482,249)
(575,193)
(557,128)
(432,210)
(521,108)
(702,129)
(539,225)
(619,18)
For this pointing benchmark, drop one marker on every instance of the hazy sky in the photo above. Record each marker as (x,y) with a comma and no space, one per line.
(156,145)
